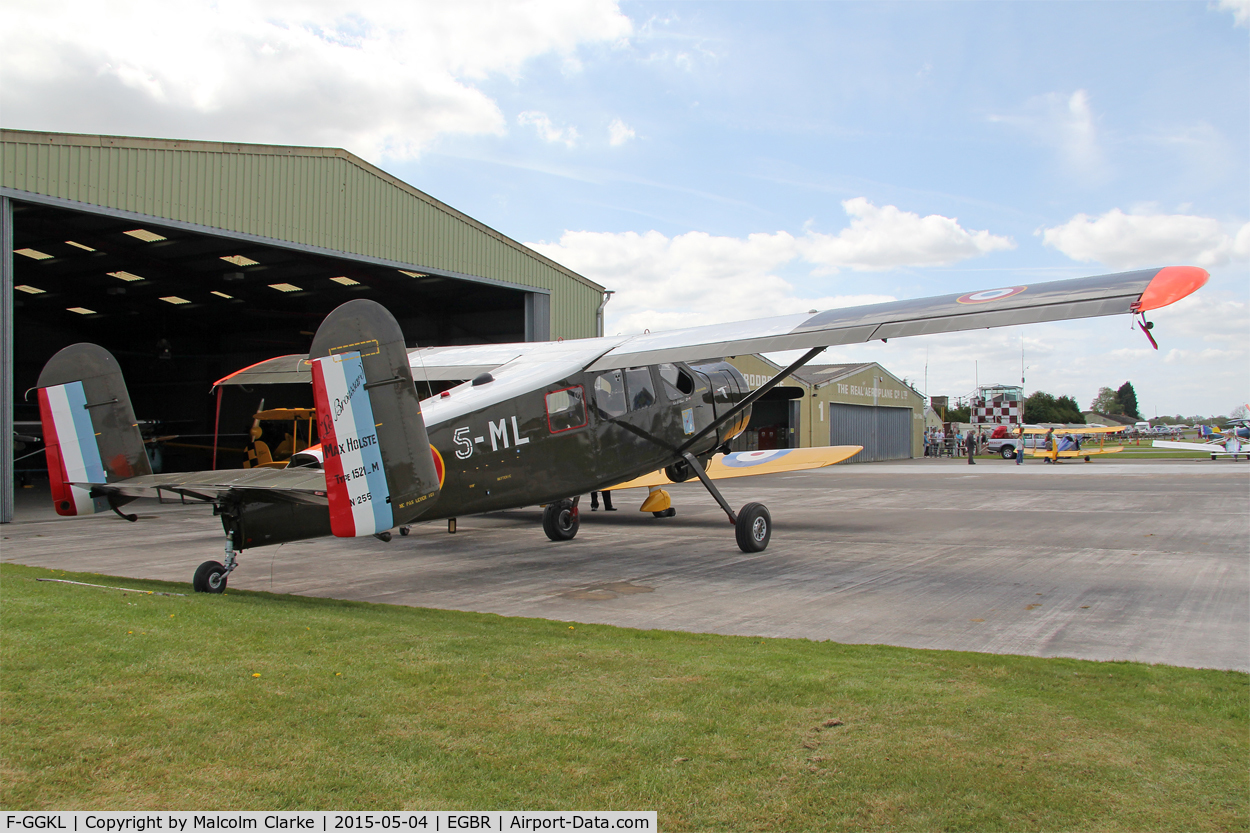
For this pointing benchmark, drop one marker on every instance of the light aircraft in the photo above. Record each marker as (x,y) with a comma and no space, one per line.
(540,423)
(1228,443)
(1066,441)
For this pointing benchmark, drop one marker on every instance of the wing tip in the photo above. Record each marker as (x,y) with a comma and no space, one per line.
(1169,285)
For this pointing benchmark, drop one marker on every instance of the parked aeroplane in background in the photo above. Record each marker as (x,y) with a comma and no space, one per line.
(1230,442)
(1073,441)
(540,423)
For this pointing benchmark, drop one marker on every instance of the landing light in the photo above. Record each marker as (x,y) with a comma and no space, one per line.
(145,235)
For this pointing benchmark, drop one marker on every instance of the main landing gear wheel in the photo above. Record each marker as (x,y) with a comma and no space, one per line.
(210,577)
(561,520)
(1006,452)
(667,513)
(754,527)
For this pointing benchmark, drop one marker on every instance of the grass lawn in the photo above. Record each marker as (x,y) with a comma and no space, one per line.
(124,700)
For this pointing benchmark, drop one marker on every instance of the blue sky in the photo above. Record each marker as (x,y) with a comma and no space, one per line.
(718,161)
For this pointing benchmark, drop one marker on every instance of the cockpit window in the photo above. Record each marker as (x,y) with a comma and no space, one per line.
(610,394)
(677,383)
(566,409)
(640,387)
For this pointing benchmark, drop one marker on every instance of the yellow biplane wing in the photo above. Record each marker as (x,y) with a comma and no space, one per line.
(750,463)
(1072,452)
(1077,429)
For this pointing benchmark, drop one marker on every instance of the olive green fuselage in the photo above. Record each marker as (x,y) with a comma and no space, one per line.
(515,453)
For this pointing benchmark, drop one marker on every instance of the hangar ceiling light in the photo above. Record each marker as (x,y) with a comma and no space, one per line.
(222,295)
(175,300)
(125,276)
(345,281)
(413,274)
(239,260)
(285,287)
(82,246)
(145,235)
(34,254)
(29,290)
(81,310)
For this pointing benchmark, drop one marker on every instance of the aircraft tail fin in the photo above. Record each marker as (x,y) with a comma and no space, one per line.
(381,470)
(89,427)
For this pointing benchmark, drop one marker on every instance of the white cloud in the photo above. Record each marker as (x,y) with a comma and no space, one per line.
(619,133)
(1240,10)
(697,278)
(381,78)
(663,283)
(1065,122)
(547,130)
(1126,241)
(886,238)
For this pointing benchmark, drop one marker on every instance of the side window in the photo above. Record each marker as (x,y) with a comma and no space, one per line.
(566,409)
(640,388)
(610,394)
(677,383)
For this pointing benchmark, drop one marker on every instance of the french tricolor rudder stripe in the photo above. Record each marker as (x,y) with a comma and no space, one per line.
(72,451)
(355,476)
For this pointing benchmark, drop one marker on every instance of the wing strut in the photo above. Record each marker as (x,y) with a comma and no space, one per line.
(746,402)
(711,487)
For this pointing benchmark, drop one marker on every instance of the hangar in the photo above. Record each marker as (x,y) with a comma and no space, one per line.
(189,260)
(834,404)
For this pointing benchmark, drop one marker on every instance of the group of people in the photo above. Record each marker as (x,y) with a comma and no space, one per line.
(937,442)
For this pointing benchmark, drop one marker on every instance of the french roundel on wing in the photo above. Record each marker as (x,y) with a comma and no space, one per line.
(987,295)
(746,459)
(438,465)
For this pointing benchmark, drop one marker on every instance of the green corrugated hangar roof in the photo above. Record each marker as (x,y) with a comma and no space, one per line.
(189,260)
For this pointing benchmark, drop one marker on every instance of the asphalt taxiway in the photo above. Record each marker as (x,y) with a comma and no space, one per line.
(1112,560)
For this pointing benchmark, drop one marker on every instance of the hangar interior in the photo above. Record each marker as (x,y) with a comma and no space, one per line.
(181,309)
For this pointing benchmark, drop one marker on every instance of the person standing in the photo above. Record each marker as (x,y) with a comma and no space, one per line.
(971,442)
(607,501)
(1020,445)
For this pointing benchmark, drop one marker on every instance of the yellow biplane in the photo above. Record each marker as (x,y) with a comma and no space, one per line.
(1066,441)
(290,430)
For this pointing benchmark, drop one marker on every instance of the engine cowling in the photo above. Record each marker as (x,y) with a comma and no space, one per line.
(729,387)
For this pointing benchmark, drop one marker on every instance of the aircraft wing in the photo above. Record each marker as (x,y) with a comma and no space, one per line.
(1217,448)
(1125,292)
(750,463)
(1072,452)
(1079,429)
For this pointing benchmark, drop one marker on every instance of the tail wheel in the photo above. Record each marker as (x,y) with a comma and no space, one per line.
(210,577)
(754,528)
(561,520)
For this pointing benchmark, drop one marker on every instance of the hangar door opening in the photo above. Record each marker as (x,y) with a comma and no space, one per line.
(885,433)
